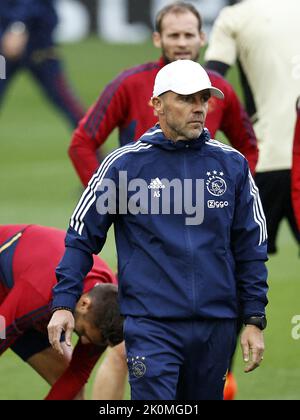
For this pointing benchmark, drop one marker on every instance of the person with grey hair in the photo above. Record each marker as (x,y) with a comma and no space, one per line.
(191,241)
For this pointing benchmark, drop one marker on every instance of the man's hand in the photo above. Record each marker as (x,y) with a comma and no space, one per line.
(252,343)
(62,320)
(13,44)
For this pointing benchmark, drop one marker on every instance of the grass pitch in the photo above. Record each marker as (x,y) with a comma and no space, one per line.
(39,185)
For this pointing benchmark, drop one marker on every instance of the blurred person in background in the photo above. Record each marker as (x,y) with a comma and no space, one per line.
(28,257)
(26,42)
(125,102)
(260,35)
(265,53)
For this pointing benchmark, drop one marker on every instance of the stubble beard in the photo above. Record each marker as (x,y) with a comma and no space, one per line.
(167,60)
(185,134)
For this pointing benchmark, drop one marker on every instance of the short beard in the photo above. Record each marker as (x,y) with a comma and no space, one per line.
(168,61)
(186,136)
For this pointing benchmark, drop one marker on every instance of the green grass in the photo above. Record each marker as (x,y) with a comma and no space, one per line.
(278,377)
(38,185)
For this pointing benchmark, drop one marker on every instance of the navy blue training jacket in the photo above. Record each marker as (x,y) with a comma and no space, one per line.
(166,267)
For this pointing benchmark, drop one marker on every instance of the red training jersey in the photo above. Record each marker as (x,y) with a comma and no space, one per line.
(125,103)
(29,255)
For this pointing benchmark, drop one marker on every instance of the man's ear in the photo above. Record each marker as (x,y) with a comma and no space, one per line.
(84,304)
(156,39)
(203,40)
(158,105)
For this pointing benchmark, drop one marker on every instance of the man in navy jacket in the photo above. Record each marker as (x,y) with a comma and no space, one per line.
(192,244)
(26,42)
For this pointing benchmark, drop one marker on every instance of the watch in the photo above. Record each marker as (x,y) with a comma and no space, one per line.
(259,321)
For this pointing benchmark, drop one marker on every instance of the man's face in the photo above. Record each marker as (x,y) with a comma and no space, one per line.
(86,331)
(182,117)
(84,327)
(180,38)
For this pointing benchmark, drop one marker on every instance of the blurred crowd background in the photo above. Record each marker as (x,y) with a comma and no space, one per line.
(133,19)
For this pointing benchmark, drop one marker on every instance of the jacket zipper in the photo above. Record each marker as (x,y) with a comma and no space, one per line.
(190,251)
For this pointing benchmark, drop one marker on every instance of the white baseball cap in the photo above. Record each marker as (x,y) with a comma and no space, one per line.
(184,77)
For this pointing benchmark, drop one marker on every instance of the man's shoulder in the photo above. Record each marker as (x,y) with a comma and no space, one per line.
(137,72)
(121,156)
(227,152)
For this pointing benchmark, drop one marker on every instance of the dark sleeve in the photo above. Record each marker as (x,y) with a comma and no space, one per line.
(248,95)
(222,69)
(77,374)
(70,273)
(86,235)
(217,66)
(249,247)
(237,127)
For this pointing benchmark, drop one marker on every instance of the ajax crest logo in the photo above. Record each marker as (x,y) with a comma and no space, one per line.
(137,366)
(215,184)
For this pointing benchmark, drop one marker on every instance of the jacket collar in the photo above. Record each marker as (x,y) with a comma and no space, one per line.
(156,137)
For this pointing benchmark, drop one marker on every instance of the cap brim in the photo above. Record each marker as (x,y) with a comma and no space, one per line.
(217,93)
(186,91)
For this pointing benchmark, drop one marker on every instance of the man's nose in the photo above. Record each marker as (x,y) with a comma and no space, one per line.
(182,42)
